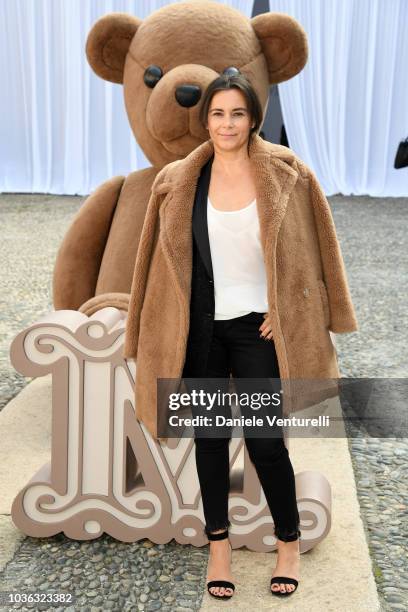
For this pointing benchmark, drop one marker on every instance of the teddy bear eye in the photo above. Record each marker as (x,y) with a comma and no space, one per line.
(152,75)
(231,70)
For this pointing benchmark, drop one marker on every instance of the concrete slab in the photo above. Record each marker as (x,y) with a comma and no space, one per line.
(10,538)
(25,442)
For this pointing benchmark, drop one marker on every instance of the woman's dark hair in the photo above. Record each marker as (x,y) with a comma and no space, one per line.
(233,81)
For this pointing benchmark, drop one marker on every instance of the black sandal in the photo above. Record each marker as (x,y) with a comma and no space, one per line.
(219,583)
(283,580)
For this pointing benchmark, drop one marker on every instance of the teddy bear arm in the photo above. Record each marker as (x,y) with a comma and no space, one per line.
(79,256)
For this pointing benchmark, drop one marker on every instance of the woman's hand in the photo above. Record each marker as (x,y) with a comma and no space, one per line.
(266,329)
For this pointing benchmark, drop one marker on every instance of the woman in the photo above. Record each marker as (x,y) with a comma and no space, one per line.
(254,293)
(242,339)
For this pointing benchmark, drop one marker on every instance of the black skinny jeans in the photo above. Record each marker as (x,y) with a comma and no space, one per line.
(237,348)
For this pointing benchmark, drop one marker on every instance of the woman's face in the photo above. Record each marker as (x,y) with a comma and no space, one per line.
(228,120)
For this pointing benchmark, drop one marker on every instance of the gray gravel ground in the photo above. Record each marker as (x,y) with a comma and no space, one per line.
(107,574)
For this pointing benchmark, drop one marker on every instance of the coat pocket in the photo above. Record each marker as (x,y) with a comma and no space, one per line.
(324,301)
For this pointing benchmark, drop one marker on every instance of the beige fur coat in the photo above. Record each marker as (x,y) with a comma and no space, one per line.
(308,293)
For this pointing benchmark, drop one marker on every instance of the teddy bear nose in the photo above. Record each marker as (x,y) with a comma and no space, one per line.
(188,95)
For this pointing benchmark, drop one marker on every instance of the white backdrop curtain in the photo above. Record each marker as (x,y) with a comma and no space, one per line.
(63,130)
(346,112)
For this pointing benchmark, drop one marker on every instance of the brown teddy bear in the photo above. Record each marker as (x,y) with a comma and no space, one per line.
(165,62)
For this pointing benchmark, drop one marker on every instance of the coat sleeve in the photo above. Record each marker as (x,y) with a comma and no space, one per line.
(342,315)
(140,274)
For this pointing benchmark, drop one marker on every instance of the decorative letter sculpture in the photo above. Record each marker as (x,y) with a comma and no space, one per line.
(106,472)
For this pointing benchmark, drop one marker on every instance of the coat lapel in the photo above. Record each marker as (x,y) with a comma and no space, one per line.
(274,181)
(200,223)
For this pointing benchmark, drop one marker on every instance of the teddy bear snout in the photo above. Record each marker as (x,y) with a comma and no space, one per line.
(177,95)
(188,95)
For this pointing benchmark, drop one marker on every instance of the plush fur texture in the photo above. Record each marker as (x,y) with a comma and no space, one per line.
(308,293)
(192,43)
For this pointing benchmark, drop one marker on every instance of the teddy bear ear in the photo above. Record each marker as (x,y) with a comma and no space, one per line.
(108,43)
(284,44)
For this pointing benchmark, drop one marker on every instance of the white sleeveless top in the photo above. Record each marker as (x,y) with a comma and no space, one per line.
(240,284)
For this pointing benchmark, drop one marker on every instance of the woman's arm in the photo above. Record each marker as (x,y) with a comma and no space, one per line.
(342,314)
(141,270)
